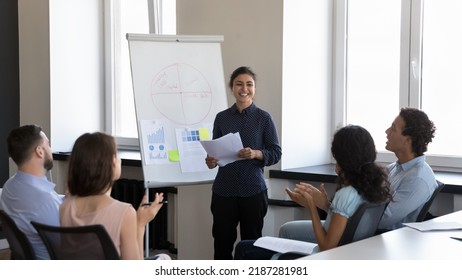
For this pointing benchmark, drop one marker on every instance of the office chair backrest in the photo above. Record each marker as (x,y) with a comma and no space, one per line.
(20,247)
(90,242)
(363,223)
(424,211)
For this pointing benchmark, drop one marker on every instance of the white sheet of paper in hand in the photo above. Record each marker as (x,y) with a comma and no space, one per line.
(224,148)
(282,245)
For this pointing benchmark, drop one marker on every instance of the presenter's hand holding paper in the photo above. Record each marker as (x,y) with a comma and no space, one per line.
(224,150)
(211,162)
(248,153)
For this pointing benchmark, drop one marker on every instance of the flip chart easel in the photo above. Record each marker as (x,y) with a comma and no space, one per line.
(179,87)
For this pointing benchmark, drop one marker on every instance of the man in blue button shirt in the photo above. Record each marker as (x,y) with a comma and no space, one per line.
(411,178)
(239,190)
(28,195)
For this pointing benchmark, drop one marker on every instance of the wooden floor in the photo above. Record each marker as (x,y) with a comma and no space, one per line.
(5,254)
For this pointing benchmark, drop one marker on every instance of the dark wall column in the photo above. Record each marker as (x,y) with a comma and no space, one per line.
(9,78)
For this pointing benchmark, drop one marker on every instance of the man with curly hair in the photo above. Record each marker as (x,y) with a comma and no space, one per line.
(411,178)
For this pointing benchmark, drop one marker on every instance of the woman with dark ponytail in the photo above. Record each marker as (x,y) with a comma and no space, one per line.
(354,151)
(360,179)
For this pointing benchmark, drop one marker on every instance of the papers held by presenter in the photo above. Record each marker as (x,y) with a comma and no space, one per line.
(225,148)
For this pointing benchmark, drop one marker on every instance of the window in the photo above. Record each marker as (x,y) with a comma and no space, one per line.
(373,64)
(129,16)
(404,53)
(441,86)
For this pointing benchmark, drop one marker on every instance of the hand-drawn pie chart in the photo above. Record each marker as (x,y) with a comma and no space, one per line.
(182,94)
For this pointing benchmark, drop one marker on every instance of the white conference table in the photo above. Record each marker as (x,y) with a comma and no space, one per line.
(402,244)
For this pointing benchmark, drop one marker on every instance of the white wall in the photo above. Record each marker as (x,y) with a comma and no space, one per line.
(34,63)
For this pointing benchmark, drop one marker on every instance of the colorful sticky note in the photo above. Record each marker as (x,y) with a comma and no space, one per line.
(204,134)
(173,155)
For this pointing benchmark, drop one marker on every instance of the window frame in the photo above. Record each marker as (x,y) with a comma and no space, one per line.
(410,73)
(155,27)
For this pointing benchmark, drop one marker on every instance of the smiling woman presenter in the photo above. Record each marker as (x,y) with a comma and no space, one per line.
(239,190)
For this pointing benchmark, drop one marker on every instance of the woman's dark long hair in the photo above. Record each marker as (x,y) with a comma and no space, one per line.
(354,150)
(90,170)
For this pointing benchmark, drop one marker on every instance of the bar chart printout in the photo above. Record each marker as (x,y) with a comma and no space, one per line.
(154,144)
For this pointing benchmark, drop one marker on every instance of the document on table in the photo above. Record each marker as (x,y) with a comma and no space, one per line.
(434,226)
(224,148)
(283,245)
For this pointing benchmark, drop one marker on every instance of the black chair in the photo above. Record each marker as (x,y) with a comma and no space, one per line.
(90,242)
(361,225)
(20,247)
(423,214)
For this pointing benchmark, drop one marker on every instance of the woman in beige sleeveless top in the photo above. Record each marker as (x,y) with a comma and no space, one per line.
(93,167)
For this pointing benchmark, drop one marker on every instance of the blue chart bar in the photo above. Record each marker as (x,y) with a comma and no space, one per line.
(158,155)
(156,146)
(156,137)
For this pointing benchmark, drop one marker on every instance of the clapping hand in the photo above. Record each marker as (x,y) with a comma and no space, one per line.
(309,196)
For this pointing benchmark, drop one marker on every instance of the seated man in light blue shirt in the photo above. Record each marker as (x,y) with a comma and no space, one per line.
(411,178)
(28,195)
